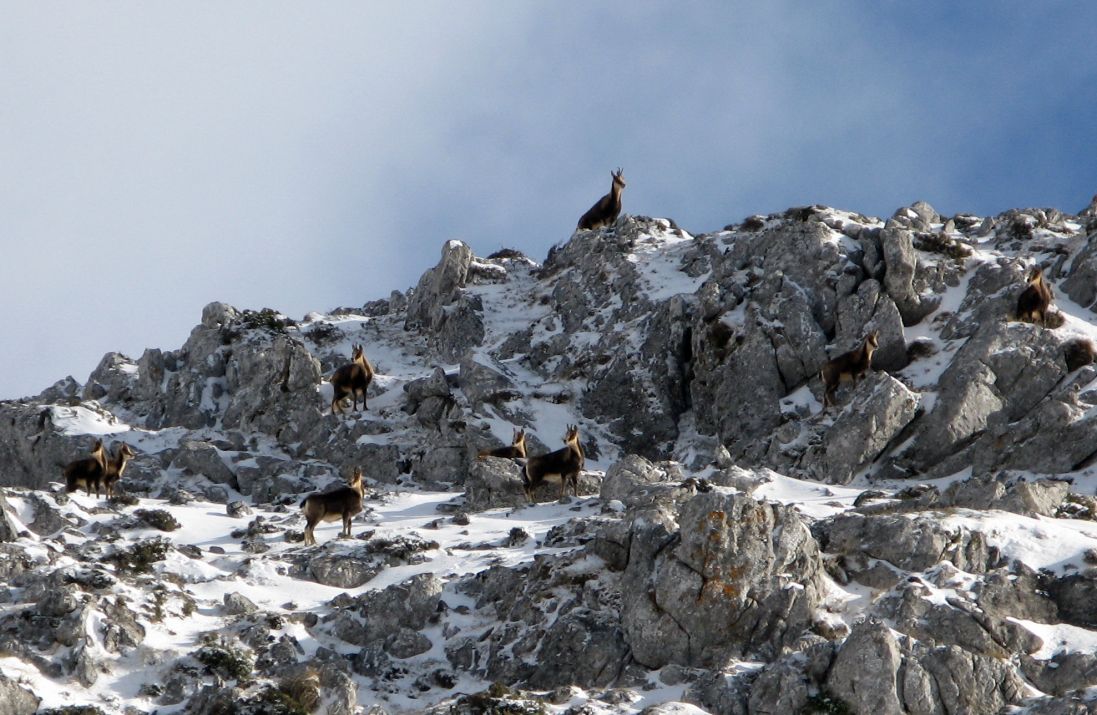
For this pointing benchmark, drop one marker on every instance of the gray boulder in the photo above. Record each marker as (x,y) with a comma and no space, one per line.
(429,398)
(204,459)
(958,622)
(1056,436)
(493,482)
(963,682)
(745,578)
(407,605)
(439,286)
(482,384)
(1062,673)
(584,648)
(902,265)
(908,543)
(342,570)
(628,473)
(1081,284)
(869,309)
(7,528)
(880,408)
(864,673)
(15,699)
(1040,497)
(1004,368)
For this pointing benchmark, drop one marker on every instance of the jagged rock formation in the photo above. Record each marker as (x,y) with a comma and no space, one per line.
(690,364)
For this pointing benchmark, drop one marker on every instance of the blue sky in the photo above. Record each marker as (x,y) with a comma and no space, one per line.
(156,157)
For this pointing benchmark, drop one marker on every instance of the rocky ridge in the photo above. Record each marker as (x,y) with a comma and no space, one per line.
(736,547)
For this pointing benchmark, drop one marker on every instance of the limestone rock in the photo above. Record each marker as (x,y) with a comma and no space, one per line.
(875,414)
(864,672)
(718,593)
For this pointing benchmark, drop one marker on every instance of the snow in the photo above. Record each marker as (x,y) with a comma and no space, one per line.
(1059,546)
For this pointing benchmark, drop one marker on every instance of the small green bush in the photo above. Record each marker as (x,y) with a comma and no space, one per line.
(140,557)
(226,662)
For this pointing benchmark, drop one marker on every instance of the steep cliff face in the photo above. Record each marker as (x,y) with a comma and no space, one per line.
(735,523)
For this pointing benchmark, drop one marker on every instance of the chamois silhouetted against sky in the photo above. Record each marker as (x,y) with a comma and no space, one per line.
(158,157)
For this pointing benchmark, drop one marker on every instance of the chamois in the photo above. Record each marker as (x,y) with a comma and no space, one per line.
(350,380)
(607,208)
(848,366)
(1034,301)
(516,450)
(565,463)
(115,466)
(341,503)
(87,473)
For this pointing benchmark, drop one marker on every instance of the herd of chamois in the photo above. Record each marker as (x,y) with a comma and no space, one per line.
(100,472)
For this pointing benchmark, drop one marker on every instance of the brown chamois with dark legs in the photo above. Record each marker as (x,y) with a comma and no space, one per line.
(849,366)
(116,465)
(516,450)
(87,473)
(350,380)
(565,464)
(341,503)
(608,208)
(1034,301)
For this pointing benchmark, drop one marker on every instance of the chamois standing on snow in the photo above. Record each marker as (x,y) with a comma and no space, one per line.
(608,208)
(115,466)
(516,450)
(341,503)
(87,473)
(1034,301)
(849,366)
(565,464)
(350,380)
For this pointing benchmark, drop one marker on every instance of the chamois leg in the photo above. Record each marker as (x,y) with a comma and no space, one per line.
(346,526)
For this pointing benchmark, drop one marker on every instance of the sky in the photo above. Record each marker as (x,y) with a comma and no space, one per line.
(155,157)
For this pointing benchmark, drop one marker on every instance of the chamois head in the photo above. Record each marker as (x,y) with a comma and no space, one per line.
(572,435)
(1036,276)
(618,179)
(519,437)
(355,479)
(356,353)
(872,340)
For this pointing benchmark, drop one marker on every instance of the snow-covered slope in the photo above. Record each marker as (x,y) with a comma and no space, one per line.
(735,548)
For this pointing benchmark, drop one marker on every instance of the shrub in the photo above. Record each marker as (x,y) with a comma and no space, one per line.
(139,557)
(226,662)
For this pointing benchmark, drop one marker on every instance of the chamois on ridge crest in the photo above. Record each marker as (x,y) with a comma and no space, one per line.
(564,463)
(87,473)
(341,503)
(606,210)
(350,380)
(516,450)
(115,466)
(849,366)
(1034,301)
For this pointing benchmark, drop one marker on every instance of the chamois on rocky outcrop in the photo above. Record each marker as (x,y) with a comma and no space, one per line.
(607,208)
(350,380)
(516,450)
(342,503)
(564,464)
(87,473)
(1034,301)
(849,366)
(115,466)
